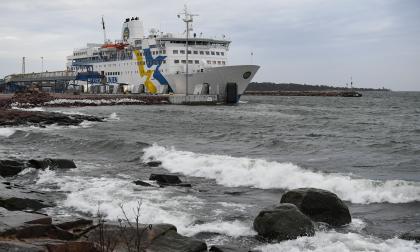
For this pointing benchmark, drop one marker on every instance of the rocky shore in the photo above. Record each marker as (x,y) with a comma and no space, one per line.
(32,99)
(24,226)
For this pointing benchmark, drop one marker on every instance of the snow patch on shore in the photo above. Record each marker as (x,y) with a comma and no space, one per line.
(92,102)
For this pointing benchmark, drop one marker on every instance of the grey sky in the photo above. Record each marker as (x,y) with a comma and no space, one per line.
(302,41)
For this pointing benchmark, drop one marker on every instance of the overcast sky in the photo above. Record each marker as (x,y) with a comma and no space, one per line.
(301,41)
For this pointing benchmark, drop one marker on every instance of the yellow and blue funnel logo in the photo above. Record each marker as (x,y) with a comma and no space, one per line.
(150,62)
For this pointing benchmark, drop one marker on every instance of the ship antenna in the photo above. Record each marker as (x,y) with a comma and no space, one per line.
(103,28)
(187,18)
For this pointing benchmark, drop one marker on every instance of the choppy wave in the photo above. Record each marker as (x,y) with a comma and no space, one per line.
(7,132)
(259,173)
(334,241)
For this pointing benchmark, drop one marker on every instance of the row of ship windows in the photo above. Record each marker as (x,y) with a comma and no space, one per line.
(128,72)
(189,52)
(199,52)
(79,53)
(198,62)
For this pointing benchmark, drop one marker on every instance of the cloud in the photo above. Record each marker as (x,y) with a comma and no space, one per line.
(312,41)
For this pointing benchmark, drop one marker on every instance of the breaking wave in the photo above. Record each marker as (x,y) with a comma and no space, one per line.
(259,173)
(88,194)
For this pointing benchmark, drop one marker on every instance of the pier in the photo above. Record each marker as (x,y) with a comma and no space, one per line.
(55,82)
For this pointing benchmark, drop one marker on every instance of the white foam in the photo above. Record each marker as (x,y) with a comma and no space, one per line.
(230,228)
(27,109)
(46,176)
(7,132)
(259,173)
(27,170)
(113,117)
(158,205)
(333,241)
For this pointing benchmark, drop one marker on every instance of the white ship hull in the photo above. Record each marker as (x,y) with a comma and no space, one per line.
(216,78)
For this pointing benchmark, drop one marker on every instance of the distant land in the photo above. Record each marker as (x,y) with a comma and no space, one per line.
(269,86)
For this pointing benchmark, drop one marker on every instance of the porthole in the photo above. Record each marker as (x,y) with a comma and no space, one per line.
(247,75)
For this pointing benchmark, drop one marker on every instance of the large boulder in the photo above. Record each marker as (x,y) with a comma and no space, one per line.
(319,205)
(284,222)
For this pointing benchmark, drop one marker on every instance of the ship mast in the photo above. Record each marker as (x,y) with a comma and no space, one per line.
(187,18)
(103,28)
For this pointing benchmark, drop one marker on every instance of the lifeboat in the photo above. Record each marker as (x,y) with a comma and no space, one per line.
(118,46)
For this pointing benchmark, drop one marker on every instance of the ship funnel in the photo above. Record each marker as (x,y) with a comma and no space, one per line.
(132,29)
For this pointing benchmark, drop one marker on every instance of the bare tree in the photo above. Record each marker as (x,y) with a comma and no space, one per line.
(125,224)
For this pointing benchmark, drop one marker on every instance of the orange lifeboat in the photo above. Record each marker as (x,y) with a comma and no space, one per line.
(118,46)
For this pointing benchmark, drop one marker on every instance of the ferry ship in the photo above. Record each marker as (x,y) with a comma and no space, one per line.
(163,63)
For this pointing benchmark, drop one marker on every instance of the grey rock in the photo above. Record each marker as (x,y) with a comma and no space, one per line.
(226,248)
(413,235)
(284,222)
(142,183)
(10,168)
(17,198)
(167,179)
(52,163)
(72,223)
(154,163)
(174,242)
(319,205)
(15,246)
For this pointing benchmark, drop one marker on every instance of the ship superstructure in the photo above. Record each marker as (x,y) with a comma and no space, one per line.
(159,63)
